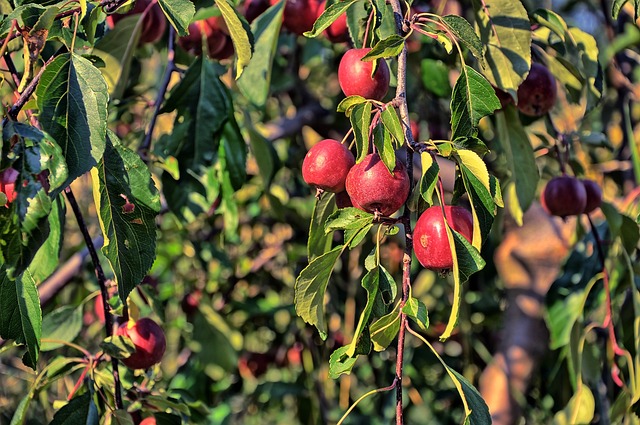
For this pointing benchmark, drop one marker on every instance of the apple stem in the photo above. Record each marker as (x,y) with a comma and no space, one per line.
(108,317)
(366,31)
(143,150)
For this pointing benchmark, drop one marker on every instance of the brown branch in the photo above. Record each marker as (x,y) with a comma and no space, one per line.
(102,281)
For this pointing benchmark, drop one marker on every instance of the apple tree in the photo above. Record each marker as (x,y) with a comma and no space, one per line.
(307,211)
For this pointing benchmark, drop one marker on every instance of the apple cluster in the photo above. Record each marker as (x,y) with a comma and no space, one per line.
(565,196)
(368,185)
(215,34)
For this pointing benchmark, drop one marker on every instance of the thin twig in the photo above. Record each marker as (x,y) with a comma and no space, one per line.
(171,67)
(102,281)
(28,91)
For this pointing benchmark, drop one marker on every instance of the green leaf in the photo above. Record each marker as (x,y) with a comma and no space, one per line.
(472,98)
(384,330)
(240,32)
(118,346)
(265,155)
(520,187)
(203,105)
(417,311)
(20,313)
(390,47)
(256,78)
(391,122)
(235,153)
(505,32)
(62,324)
(370,283)
(319,242)
(310,288)
(435,77)
(384,145)
(464,32)
(346,105)
(329,15)
(360,121)
(179,13)
(551,20)
(46,259)
(127,202)
(475,172)
(340,363)
(348,218)
(429,178)
(80,410)
(580,409)
(616,7)
(476,410)
(116,49)
(72,99)
(469,259)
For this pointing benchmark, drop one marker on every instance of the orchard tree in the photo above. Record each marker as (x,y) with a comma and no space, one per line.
(253,183)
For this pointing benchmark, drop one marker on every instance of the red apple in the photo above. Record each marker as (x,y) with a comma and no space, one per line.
(154,22)
(149,341)
(430,241)
(299,15)
(354,76)
(150,420)
(8,179)
(564,196)
(594,195)
(254,8)
(504,98)
(326,165)
(373,188)
(415,129)
(537,93)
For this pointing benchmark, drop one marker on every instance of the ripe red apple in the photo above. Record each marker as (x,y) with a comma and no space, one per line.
(299,15)
(219,43)
(354,76)
(150,420)
(564,196)
(149,341)
(373,188)
(338,32)
(537,93)
(8,179)
(326,165)
(154,22)
(430,242)
(254,8)
(594,195)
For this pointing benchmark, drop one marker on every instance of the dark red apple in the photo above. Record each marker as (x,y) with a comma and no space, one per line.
(354,76)
(191,301)
(373,188)
(338,32)
(537,93)
(504,98)
(213,30)
(254,8)
(430,241)
(299,15)
(149,341)
(326,165)
(8,179)
(154,22)
(564,196)
(594,195)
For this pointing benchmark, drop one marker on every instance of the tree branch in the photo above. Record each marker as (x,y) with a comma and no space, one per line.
(102,281)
